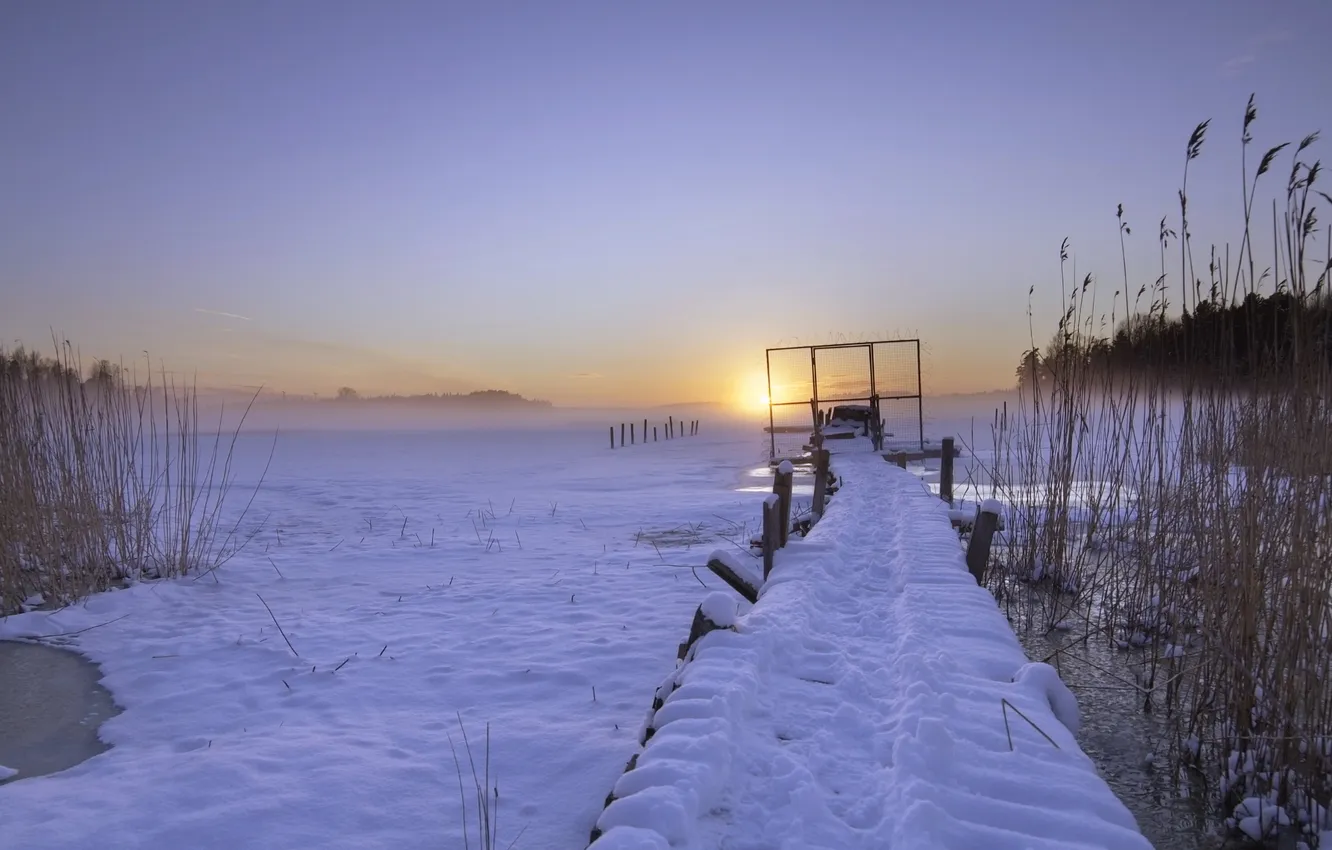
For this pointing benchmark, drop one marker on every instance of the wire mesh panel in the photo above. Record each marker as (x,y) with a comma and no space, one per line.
(901,424)
(843,373)
(897,368)
(790,377)
(792,426)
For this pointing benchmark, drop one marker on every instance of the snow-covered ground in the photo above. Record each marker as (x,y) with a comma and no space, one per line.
(875,697)
(539,608)
(539,582)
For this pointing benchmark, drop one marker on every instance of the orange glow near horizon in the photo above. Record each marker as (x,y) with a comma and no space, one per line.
(752,393)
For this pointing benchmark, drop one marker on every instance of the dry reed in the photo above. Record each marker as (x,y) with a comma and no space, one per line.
(104,480)
(1182,508)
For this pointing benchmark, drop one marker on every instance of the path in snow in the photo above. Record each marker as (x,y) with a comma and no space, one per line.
(860,704)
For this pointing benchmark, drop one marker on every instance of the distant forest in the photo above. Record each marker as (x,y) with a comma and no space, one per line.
(1256,336)
(479,398)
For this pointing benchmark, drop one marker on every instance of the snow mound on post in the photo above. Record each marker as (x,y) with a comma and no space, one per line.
(686,766)
(667,811)
(719,608)
(632,838)
(992,506)
(1044,680)
(785,468)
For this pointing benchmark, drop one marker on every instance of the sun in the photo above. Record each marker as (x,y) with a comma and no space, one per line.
(752,393)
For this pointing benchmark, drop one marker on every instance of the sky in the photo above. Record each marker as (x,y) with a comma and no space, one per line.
(608,202)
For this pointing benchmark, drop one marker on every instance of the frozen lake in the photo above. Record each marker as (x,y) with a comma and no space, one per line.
(533,580)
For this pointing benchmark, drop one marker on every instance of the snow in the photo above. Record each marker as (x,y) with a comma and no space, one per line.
(540,583)
(1044,680)
(786,468)
(633,838)
(861,704)
(720,609)
(992,506)
(6,772)
(230,740)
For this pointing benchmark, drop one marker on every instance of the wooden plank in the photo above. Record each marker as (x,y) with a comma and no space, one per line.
(737,582)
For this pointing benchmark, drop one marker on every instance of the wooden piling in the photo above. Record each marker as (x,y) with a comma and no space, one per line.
(982,535)
(612,430)
(631,434)
(821,461)
(781,485)
(645,430)
(771,521)
(621,435)
(946,472)
(670,427)
(654,433)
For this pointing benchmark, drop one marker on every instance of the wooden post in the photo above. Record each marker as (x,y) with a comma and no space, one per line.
(621,435)
(670,426)
(901,459)
(821,460)
(701,626)
(946,472)
(771,519)
(982,534)
(645,430)
(612,436)
(631,434)
(654,433)
(781,485)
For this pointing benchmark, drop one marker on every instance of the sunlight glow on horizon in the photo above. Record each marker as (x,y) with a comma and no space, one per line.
(605,204)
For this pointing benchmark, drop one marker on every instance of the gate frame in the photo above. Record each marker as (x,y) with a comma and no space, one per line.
(873,398)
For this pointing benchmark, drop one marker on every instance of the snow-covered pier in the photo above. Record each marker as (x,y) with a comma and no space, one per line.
(873,697)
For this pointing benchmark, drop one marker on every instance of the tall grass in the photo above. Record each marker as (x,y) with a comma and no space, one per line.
(104,480)
(1181,507)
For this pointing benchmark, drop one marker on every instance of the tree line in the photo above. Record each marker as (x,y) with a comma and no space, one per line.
(1256,336)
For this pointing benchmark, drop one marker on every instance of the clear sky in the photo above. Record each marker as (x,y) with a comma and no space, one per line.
(610,201)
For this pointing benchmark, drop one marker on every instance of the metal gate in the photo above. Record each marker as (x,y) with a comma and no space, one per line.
(806,382)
